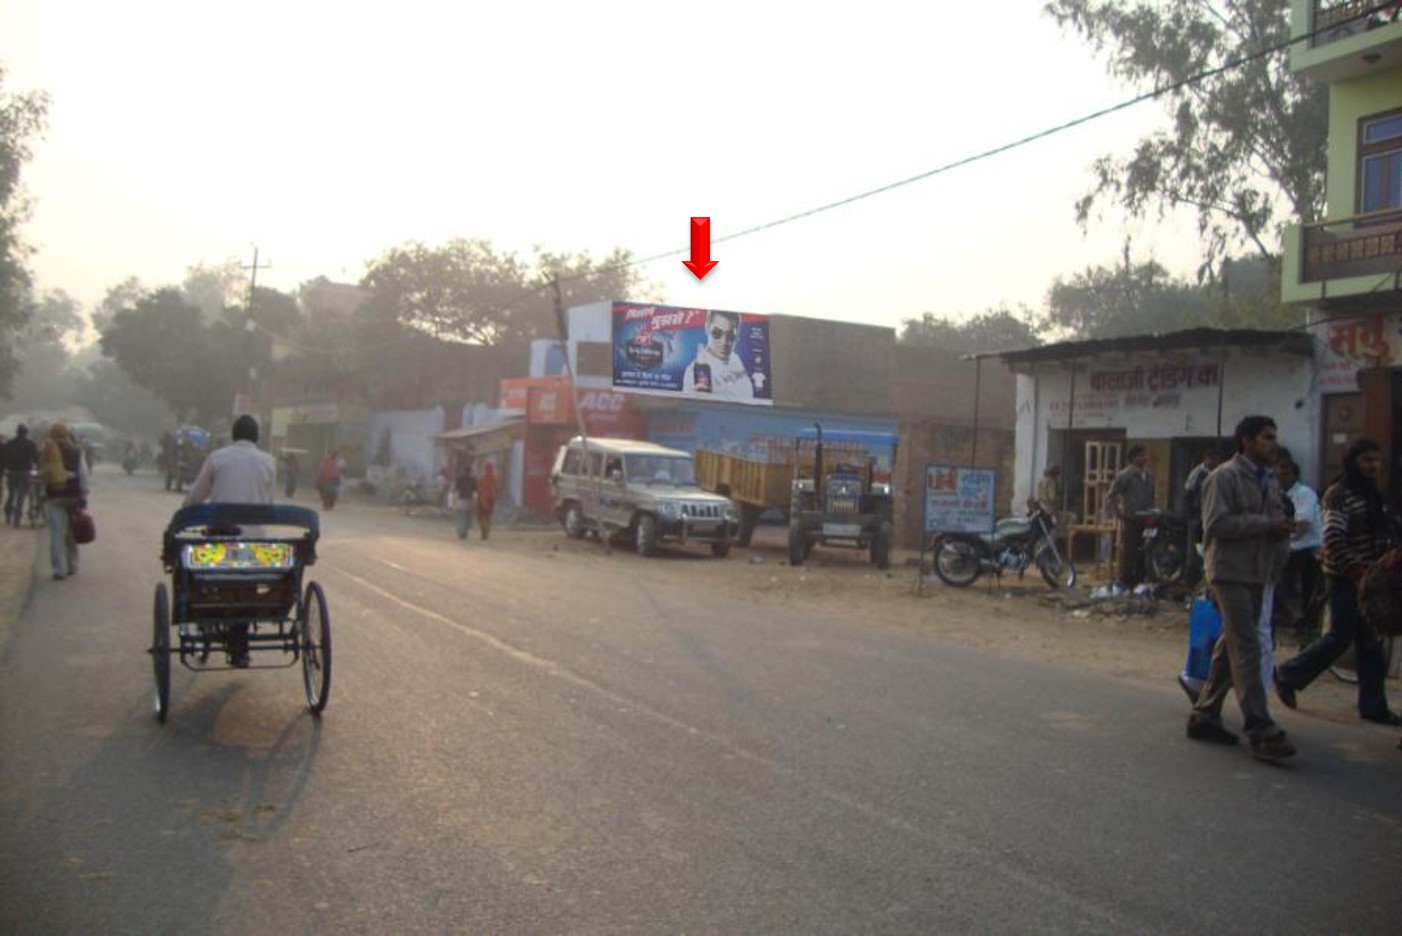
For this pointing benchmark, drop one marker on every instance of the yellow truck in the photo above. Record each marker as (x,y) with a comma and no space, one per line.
(754,486)
(851,505)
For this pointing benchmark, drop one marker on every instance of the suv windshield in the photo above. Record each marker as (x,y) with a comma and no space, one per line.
(660,469)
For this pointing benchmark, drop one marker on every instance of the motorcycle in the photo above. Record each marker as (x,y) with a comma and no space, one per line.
(1014,544)
(1165,547)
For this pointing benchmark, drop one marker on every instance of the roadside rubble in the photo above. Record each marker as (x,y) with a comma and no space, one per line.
(1147,606)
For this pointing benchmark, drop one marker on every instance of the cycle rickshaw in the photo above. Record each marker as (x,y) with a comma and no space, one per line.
(236,595)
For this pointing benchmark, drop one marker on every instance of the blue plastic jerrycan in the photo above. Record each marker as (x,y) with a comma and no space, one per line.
(1204,627)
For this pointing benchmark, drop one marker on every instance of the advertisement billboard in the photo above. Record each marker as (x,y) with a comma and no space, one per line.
(700,354)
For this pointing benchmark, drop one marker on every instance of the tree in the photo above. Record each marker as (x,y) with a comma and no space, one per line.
(1240,140)
(213,289)
(466,291)
(461,291)
(22,116)
(1143,299)
(1129,299)
(995,330)
(581,280)
(44,382)
(104,390)
(163,345)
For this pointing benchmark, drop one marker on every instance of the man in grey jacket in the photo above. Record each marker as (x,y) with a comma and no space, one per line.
(1247,534)
(1130,496)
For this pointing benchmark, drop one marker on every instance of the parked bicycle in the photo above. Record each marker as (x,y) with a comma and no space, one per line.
(418,495)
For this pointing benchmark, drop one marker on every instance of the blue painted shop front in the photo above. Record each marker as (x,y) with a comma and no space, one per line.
(758,433)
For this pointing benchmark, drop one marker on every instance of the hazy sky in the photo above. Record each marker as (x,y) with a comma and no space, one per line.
(187,132)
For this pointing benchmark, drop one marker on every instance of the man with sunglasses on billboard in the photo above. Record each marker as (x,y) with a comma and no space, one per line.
(718,371)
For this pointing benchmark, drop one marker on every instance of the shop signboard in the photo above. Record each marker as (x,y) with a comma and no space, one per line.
(959,499)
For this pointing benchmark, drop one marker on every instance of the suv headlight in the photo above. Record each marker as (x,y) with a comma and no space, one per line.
(670,510)
(731,514)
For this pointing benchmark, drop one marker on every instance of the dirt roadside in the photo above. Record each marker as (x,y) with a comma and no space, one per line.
(19,550)
(1141,641)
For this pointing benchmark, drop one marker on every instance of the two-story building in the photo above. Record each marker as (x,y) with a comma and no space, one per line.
(1347,268)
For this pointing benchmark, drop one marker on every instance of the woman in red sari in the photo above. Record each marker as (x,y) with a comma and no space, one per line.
(486,497)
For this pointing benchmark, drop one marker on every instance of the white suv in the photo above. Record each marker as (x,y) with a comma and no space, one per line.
(618,486)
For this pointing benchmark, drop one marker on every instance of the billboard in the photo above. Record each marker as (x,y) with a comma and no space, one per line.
(699,354)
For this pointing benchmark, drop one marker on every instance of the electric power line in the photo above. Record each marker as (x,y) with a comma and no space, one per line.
(982,155)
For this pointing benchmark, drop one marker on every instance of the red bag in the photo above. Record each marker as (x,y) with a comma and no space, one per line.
(82,525)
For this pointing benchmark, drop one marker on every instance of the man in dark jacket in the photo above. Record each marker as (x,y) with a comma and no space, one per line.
(19,457)
(1247,534)
(1131,494)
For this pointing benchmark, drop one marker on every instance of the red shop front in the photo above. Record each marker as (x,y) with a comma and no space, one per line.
(550,422)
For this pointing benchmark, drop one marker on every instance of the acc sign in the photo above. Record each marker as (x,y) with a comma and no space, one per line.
(596,401)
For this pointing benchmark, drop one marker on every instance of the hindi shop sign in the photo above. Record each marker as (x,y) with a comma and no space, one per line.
(1353,344)
(959,500)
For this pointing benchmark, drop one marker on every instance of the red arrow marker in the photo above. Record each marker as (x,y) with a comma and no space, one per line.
(700,262)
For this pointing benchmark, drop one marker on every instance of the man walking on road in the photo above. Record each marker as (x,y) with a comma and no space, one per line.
(1246,532)
(19,456)
(1358,529)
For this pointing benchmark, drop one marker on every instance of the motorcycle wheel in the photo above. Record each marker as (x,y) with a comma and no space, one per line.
(1166,560)
(958,561)
(1057,569)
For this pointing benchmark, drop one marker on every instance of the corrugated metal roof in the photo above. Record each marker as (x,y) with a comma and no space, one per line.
(472,432)
(1290,342)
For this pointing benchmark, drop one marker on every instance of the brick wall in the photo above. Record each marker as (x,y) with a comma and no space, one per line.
(925,442)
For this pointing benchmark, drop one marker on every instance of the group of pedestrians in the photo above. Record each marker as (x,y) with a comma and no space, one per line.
(476,498)
(1261,527)
(57,467)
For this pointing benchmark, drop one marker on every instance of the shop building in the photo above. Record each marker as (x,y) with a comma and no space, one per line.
(1346,269)
(1081,405)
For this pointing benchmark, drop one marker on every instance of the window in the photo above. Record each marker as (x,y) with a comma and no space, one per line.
(1380,163)
(573,459)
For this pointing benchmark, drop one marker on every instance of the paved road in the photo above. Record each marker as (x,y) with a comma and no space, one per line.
(528,740)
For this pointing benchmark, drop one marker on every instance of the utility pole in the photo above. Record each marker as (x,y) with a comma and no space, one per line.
(249,327)
(563,330)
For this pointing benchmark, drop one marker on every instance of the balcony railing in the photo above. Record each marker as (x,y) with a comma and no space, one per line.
(1362,245)
(1339,19)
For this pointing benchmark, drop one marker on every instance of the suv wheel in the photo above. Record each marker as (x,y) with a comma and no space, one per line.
(574,521)
(645,535)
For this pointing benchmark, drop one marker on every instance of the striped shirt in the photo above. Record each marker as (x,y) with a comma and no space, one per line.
(1349,538)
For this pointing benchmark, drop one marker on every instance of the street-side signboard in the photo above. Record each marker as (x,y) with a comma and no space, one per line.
(959,500)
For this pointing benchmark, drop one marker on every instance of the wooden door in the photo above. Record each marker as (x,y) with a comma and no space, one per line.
(1343,423)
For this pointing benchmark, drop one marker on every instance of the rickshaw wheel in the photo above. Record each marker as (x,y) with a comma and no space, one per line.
(315,633)
(160,650)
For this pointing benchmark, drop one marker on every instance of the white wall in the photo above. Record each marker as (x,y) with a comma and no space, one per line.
(411,435)
(590,322)
(1270,383)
